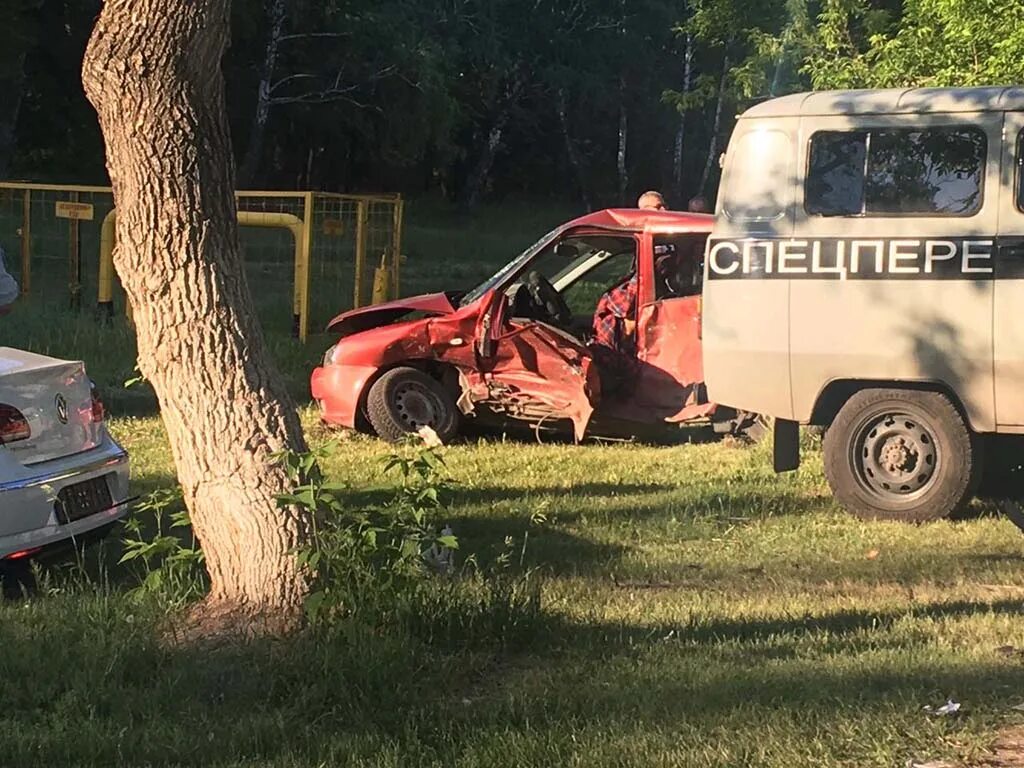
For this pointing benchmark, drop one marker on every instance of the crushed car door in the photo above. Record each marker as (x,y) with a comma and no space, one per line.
(670,373)
(532,371)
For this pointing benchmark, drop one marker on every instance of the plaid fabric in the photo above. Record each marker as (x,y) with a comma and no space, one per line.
(614,307)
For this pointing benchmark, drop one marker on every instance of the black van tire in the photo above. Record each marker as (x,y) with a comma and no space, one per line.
(902,455)
(404,399)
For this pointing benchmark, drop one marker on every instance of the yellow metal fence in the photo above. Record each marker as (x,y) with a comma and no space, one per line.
(307,255)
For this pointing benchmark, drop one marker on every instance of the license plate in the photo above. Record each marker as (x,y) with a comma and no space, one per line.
(83,499)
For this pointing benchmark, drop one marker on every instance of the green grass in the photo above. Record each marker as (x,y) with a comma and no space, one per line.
(697,610)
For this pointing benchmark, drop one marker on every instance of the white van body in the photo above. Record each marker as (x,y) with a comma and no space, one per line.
(872,240)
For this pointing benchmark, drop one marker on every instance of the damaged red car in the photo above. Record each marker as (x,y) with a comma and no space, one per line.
(525,344)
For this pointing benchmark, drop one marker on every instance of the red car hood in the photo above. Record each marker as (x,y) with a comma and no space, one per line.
(364,318)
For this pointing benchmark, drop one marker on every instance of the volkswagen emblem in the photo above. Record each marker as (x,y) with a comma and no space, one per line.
(62,408)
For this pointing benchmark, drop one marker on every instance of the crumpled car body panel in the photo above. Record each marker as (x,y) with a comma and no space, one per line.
(524,369)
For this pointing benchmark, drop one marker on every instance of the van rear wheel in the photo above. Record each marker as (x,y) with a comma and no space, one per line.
(900,455)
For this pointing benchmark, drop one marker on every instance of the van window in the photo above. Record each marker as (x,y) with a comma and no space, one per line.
(893,172)
(835,181)
(759,177)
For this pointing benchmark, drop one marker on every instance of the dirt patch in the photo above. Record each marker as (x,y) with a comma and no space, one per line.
(1007,750)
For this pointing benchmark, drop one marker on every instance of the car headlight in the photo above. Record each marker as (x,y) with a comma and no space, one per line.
(329,355)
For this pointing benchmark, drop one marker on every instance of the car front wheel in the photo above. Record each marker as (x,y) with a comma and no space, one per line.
(901,455)
(404,400)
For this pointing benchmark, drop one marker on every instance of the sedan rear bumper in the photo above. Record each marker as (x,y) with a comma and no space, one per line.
(28,494)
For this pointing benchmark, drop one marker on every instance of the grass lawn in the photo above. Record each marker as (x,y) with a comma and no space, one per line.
(696,610)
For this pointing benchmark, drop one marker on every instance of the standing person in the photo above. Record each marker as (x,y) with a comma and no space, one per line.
(698,204)
(8,287)
(651,200)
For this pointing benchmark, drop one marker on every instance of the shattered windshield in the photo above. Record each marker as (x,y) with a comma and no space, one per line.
(509,269)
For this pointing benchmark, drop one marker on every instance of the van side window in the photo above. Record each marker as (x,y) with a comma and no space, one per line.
(760,175)
(892,172)
(835,179)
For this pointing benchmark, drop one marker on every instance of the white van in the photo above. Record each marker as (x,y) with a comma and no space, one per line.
(866,274)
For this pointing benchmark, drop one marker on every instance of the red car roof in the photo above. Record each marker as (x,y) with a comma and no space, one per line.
(638,219)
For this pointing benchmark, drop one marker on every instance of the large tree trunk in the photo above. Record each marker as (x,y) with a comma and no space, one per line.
(152,71)
(276,12)
(680,142)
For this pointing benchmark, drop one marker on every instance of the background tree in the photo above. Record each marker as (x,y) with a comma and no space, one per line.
(860,44)
(589,101)
(152,71)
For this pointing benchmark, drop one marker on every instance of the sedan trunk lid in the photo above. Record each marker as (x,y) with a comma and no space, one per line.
(55,397)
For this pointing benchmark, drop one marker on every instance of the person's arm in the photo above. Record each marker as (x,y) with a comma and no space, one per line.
(8,288)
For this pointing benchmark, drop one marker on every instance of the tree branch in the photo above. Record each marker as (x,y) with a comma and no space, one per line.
(311,35)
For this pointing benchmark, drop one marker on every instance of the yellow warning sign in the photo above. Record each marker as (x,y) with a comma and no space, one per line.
(81,211)
(334,227)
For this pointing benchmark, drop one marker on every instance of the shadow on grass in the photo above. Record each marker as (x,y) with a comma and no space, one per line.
(378,697)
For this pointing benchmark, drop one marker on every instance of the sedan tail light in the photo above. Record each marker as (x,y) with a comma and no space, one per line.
(22,554)
(13,425)
(99,413)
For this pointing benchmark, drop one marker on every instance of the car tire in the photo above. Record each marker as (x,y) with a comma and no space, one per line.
(17,580)
(405,399)
(902,455)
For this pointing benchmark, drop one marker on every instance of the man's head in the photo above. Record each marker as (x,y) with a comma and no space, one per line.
(698,204)
(651,200)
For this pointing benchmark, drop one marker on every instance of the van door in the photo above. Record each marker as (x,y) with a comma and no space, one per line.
(893,255)
(746,319)
(1008,317)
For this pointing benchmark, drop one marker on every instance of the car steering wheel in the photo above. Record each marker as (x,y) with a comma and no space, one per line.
(547,299)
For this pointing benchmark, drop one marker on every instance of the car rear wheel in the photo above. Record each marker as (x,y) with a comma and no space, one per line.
(405,399)
(900,455)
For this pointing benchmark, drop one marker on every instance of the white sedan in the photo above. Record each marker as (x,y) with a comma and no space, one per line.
(62,476)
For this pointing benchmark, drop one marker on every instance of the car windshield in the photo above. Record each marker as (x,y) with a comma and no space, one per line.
(509,269)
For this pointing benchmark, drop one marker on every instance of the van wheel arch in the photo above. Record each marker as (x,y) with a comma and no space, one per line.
(838,392)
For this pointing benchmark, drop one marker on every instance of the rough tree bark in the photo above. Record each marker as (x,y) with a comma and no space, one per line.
(277,12)
(152,71)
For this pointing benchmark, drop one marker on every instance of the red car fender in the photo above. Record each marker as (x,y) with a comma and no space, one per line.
(339,391)
(359,360)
